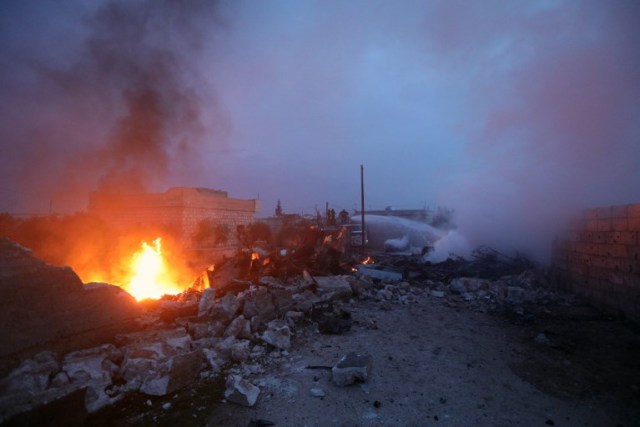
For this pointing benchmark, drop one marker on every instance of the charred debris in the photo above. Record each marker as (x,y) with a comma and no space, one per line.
(242,311)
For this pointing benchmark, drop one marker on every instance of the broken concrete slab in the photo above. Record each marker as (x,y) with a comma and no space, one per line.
(227,307)
(460,285)
(259,304)
(30,323)
(172,374)
(335,287)
(207,300)
(233,349)
(278,334)
(384,275)
(239,327)
(351,368)
(241,391)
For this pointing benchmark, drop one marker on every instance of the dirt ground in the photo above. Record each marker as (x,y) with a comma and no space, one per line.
(437,361)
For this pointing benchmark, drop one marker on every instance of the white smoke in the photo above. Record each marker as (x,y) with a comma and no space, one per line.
(400,232)
(452,244)
(397,245)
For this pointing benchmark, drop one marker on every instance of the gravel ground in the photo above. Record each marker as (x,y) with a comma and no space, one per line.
(437,361)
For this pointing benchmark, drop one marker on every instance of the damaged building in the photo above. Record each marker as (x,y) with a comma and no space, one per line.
(202,218)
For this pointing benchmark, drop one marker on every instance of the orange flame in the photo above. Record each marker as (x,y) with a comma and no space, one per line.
(150,275)
(369,260)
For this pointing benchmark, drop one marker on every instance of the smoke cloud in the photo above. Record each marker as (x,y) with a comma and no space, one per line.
(119,110)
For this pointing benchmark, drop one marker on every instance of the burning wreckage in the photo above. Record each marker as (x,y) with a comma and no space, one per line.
(64,338)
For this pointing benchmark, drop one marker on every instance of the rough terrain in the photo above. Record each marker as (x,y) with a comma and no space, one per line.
(436,361)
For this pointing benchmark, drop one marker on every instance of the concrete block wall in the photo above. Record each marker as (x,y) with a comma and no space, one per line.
(180,209)
(599,257)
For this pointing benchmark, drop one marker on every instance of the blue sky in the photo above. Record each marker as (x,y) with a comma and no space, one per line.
(515,114)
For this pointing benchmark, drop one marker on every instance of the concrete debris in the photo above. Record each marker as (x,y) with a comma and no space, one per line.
(241,391)
(374,273)
(351,368)
(172,374)
(236,350)
(317,392)
(206,302)
(334,287)
(227,307)
(278,334)
(206,334)
(238,328)
(258,304)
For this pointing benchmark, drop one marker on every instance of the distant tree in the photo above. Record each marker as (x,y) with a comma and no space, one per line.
(278,208)
(210,230)
(248,235)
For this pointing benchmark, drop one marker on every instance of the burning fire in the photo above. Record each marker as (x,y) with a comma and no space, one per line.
(150,276)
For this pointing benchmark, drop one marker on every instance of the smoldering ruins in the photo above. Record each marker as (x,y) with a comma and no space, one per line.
(245,333)
(172,296)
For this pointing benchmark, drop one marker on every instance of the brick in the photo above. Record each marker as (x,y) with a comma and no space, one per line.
(613,237)
(634,223)
(586,236)
(589,214)
(633,253)
(633,211)
(629,238)
(619,211)
(605,224)
(620,224)
(600,237)
(603,213)
(616,250)
(591,225)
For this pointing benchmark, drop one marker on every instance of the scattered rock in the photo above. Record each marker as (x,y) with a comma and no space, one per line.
(317,392)
(239,327)
(241,391)
(351,368)
(207,302)
(278,334)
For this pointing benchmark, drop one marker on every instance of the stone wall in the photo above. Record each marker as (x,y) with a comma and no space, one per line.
(180,209)
(599,258)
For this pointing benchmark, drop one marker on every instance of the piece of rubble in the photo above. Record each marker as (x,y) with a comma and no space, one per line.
(236,350)
(206,302)
(41,303)
(241,391)
(437,294)
(277,334)
(172,374)
(351,368)
(259,304)
(227,307)
(461,285)
(214,360)
(93,369)
(317,392)
(334,287)
(384,275)
(294,317)
(239,327)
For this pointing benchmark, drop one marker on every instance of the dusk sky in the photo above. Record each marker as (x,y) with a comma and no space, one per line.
(513,113)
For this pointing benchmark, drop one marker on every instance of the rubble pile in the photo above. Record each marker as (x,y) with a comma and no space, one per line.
(231,327)
(180,340)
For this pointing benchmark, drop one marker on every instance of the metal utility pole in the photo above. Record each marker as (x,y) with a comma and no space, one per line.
(362,206)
